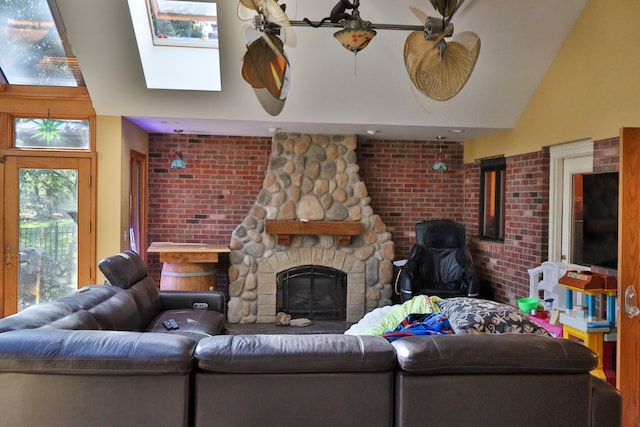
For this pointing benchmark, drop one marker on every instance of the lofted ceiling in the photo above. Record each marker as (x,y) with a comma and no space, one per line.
(332,90)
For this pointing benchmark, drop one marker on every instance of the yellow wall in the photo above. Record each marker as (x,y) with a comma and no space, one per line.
(591,90)
(114,140)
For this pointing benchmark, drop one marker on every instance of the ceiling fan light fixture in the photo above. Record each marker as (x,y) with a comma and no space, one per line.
(355,39)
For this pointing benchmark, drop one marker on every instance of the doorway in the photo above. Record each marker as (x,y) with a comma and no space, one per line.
(46,229)
(567,161)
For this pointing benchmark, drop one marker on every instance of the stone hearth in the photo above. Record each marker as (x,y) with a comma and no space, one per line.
(310,178)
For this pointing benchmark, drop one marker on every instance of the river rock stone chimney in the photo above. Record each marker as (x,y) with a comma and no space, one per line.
(310,178)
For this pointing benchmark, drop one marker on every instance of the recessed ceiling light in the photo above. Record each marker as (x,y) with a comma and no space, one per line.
(371,132)
(456,130)
(273,130)
(440,137)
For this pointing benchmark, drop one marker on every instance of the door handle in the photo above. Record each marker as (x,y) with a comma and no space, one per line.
(631,302)
(7,256)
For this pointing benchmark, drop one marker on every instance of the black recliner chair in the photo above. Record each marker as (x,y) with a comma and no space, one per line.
(439,264)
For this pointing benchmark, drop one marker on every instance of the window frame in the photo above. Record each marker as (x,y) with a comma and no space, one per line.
(498,166)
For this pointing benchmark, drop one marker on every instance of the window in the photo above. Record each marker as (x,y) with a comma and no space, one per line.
(51,133)
(492,195)
(183,23)
(34,49)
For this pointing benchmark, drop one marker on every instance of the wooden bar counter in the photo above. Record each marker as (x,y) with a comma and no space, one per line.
(188,266)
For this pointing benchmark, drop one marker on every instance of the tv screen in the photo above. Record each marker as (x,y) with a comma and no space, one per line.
(599,220)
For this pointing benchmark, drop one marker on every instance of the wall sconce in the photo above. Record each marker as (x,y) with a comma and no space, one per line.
(178,161)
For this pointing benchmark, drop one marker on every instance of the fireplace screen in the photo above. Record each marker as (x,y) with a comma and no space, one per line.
(313,292)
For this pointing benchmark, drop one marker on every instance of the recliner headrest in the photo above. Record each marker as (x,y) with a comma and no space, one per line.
(124,269)
(440,234)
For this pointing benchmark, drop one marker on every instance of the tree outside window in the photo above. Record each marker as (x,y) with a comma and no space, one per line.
(492,196)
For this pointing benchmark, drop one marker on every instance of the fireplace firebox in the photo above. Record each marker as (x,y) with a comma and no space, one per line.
(312,291)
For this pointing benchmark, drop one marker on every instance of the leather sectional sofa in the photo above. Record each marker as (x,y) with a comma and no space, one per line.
(101,357)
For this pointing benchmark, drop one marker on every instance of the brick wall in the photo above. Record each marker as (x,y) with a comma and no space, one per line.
(404,188)
(503,265)
(224,174)
(207,200)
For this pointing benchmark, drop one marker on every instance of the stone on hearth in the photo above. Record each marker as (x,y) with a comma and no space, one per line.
(301,322)
(282,319)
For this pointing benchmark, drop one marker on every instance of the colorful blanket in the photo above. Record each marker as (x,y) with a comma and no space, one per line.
(420,324)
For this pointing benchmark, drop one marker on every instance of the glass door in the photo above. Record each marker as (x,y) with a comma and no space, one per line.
(46,229)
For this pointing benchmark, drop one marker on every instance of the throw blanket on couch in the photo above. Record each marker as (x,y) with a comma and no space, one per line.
(420,324)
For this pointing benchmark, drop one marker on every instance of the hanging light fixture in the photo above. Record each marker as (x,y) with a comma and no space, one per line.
(178,161)
(440,164)
(357,33)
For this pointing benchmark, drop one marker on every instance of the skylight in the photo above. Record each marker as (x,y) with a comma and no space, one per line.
(183,23)
(32,51)
(170,35)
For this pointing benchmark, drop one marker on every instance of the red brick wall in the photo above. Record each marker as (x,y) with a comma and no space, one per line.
(208,199)
(405,190)
(504,265)
(224,174)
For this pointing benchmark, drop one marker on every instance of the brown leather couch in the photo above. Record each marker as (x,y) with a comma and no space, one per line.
(102,356)
(99,358)
(454,380)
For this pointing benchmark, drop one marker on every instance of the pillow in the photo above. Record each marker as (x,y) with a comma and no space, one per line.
(479,316)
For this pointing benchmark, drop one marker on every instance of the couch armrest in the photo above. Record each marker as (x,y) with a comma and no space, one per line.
(606,404)
(181,300)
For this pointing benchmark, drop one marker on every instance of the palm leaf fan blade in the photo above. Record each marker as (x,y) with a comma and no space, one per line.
(276,15)
(446,8)
(247,9)
(262,67)
(441,77)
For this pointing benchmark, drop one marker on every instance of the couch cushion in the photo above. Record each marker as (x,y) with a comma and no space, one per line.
(119,313)
(478,316)
(80,320)
(196,324)
(295,353)
(35,316)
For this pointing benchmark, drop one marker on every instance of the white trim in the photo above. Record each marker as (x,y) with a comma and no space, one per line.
(558,154)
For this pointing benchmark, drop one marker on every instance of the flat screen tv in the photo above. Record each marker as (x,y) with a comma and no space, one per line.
(599,220)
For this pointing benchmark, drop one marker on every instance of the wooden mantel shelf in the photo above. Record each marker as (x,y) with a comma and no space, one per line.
(343,229)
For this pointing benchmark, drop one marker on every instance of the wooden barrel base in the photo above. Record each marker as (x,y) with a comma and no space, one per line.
(180,276)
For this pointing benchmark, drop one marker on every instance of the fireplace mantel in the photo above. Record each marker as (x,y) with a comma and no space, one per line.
(342,229)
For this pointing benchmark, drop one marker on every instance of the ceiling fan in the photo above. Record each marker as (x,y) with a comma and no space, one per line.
(265,65)
(439,69)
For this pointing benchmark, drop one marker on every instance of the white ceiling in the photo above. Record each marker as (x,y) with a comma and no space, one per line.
(332,91)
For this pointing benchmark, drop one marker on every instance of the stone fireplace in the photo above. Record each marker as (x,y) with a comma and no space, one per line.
(311,187)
